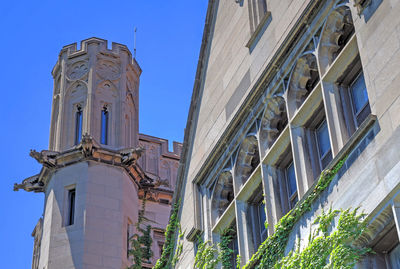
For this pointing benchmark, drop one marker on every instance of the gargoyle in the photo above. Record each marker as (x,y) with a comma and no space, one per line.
(87,145)
(30,184)
(161,182)
(130,155)
(45,157)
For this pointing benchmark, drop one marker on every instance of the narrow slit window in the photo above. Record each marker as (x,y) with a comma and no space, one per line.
(359,99)
(71,207)
(78,125)
(323,144)
(291,185)
(104,126)
(262,218)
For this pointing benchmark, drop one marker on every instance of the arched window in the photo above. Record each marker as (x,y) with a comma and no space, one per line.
(104,125)
(78,124)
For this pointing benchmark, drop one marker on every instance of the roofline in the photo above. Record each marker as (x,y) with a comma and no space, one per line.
(193,109)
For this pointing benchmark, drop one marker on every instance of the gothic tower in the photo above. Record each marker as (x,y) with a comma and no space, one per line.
(90,177)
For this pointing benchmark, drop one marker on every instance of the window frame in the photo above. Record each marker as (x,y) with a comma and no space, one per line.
(290,197)
(78,124)
(105,125)
(321,158)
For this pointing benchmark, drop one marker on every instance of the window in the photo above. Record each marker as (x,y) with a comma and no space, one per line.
(323,144)
(104,125)
(71,207)
(359,99)
(354,96)
(291,185)
(262,218)
(78,124)
(257,12)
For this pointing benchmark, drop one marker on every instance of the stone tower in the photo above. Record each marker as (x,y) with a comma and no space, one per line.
(97,89)
(90,177)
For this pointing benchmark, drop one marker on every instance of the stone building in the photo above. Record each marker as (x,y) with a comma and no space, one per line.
(284,90)
(98,166)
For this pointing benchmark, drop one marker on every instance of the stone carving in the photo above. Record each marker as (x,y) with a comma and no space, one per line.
(247,159)
(108,69)
(161,182)
(222,194)
(30,184)
(273,122)
(45,157)
(303,78)
(338,27)
(131,155)
(87,145)
(77,70)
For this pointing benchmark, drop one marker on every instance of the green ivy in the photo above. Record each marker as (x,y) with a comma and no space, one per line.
(323,251)
(140,242)
(206,257)
(225,251)
(179,248)
(332,250)
(273,248)
(165,260)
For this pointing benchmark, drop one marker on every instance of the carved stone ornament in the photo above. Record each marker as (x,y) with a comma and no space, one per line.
(30,184)
(45,157)
(130,155)
(77,70)
(107,69)
(161,182)
(87,145)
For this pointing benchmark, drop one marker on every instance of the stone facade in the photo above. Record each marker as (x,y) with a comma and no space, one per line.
(275,103)
(98,167)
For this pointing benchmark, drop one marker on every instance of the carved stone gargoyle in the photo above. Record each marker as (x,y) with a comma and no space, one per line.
(131,155)
(161,182)
(45,157)
(30,184)
(87,145)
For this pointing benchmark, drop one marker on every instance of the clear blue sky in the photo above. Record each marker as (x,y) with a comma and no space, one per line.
(32,34)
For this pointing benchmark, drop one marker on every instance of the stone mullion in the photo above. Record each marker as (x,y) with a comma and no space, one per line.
(270,176)
(301,159)
(243,231)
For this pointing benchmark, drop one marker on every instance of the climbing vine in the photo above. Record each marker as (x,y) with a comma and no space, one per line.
(332,250)
(226,252)
(207,256)
(165,260)
(272,249)
(141,241)
(324,249)
(179,248)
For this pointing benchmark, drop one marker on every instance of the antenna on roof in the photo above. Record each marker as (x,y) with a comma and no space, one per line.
(134,43)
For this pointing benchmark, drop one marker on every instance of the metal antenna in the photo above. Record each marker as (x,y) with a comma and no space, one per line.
(134,43)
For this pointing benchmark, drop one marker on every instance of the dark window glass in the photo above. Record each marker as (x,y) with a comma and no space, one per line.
(323,143)
(104,126)
(291,185)
(291,179)
(78,125)
(262,219)
(359,99)
(71,207)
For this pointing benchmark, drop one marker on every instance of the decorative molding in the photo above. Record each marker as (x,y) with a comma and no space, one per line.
(193,234)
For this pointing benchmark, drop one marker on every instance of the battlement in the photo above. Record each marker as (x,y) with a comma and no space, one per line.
(176,146)
(72,51)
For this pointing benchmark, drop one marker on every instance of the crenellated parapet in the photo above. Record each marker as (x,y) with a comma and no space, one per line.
(96,91)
